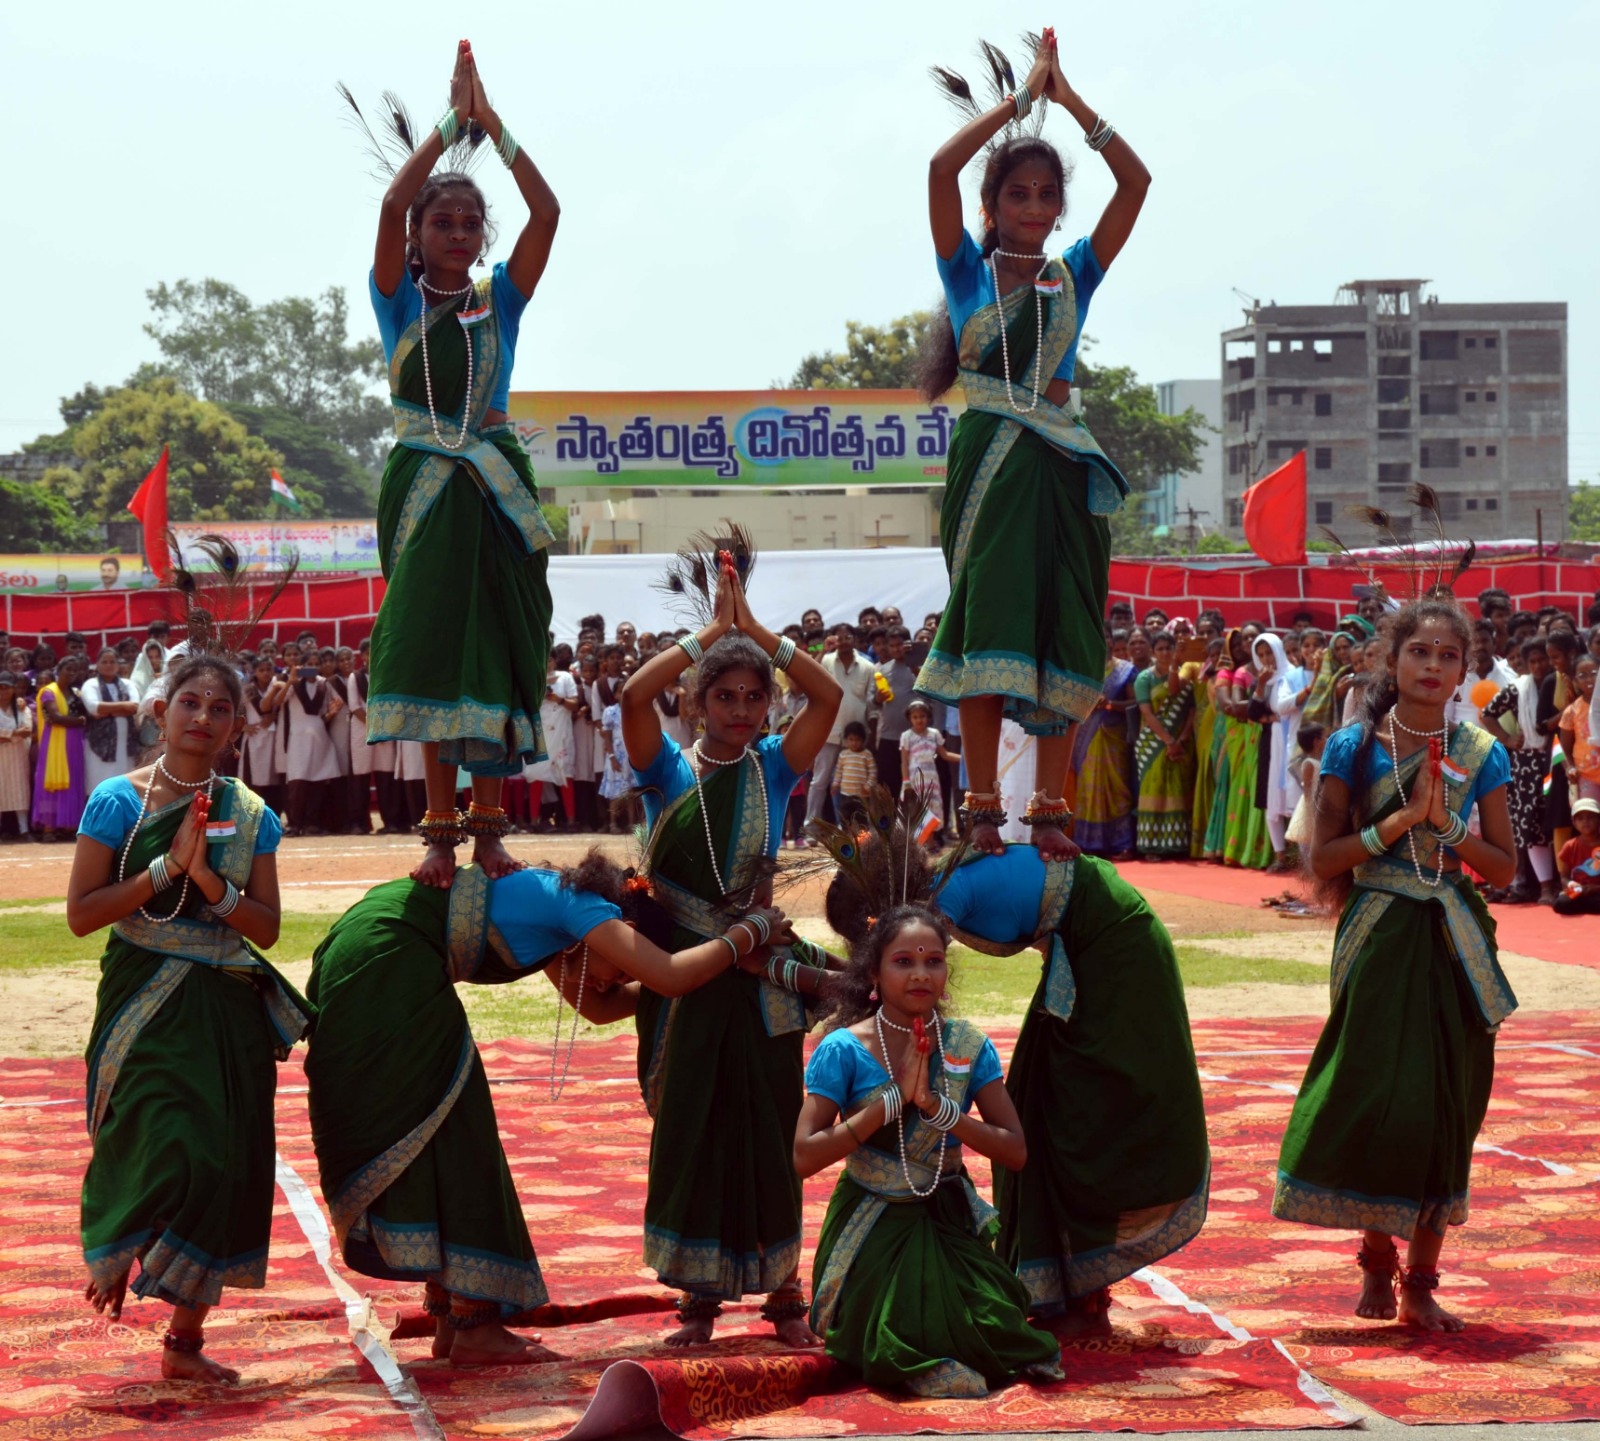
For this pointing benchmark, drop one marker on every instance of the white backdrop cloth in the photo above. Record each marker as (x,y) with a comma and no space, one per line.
(839,583)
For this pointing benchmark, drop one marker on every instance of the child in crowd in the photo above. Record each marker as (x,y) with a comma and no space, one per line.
(16,730)
(908,1290)
(854,773)
(921,749)
(1309,739)
(1580,863)
(616,781)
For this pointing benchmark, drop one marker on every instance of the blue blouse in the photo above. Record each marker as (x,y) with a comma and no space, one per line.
(669,775)
(1339,759)
(539,917)
(996,897)
(969,286)
(397,312)
(114,804)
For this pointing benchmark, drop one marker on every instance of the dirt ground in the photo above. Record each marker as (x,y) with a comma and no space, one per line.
(48,1012)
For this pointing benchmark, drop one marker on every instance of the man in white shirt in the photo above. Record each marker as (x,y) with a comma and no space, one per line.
(1484,665)
(856,679)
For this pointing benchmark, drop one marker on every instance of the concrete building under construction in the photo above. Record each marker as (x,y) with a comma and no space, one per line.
(1389,385)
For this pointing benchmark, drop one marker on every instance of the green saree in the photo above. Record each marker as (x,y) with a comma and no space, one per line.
(401,1116)
(189,1022)
(1245,839)
(908,1291)
(720,1068)
(1023,529)
(460,644)
(1166,786)
(1382,1131)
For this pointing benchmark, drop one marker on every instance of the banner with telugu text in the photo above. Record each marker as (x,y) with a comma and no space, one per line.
(733,438)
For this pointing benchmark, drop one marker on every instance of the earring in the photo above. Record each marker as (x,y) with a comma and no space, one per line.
(1058,222)
(482,262)
(872,995)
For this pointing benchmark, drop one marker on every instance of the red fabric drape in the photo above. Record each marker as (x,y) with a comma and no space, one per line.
(149,507)
(1275,514)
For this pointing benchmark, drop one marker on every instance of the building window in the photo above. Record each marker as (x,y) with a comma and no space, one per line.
(1322,349)
(1472,503)
(1491,450)
(1235,512)
(1274,347)
(1471,450)
(1472,342)
(1297,345)
(1426,460)
(1491,396)
(1493,503)
(1490,342)
(1471,397)
(1324,405)
(1324,457)
(1324,512)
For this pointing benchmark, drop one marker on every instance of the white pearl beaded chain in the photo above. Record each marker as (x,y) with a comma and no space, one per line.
(427,375)
(944,1136)
(138,820)
(1411,831)
(705,820)
(1038,316)
(558,1089)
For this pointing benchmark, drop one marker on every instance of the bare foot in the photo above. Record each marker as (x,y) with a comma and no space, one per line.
(495,1346)
(696,1331)
(1054,844)
(1041,1375)
(1376,1302)
(1419,1309)
(108,1300)
(796,1331)
(194,1366)
(985,839)
(490,853)
(438,867)
(1074,1323)
(444,1337)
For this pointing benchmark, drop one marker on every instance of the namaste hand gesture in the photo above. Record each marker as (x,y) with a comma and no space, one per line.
(914,1079)
(1044,62)
(1057,89)
(188,851)
(463,82)
(1427,802)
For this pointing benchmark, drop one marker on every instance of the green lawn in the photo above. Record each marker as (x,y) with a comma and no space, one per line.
(989,989)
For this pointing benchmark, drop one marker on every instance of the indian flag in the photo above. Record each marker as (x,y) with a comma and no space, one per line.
(282,493)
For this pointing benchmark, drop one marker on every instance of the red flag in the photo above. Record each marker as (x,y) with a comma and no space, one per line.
(1275,514)
(149,505)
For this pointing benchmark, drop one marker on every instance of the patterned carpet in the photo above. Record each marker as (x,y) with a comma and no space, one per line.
(1238,1331)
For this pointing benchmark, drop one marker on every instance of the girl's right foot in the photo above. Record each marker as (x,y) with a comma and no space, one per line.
(1379,1266)
(194,1366)
(495,1346)
(438,867)
(696,1331)
(985,839)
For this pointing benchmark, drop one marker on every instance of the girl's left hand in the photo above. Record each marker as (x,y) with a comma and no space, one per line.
(1057,88)
(1438,809)
(188,850)
(482,111)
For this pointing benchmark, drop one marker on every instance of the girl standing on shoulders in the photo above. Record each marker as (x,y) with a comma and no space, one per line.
(189,1021)
(1023,527)
(1381,1136)
(721,1068)
(908,1290)
(462,539)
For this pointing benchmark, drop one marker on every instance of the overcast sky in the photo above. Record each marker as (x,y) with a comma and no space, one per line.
(738,180)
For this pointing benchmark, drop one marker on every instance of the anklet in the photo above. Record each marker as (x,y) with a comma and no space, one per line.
(481,821)
(698,1308)
(435,1300)
(980,808)
(485,1314)
(1379,1263)
(184,1343)
(1045,810)
(781,1306)
(442,828)
(1418,1278)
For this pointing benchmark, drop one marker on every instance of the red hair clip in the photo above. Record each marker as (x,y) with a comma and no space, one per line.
(637,885)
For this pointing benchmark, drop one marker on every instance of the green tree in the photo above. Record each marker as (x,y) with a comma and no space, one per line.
(217,469)
(325,477)
(556,517)
(34,520)
(1125,417)
(1583,512)
(875,357)
(291,354)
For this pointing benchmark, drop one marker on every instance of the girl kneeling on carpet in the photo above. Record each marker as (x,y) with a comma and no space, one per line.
(189,1020)
(1382,1132)
(908,1290)
(404,1128)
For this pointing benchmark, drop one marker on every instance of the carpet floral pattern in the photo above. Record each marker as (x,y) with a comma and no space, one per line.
(1243,1329)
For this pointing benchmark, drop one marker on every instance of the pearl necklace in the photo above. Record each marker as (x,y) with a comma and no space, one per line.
(906,1103)
(557,1089)
(1411,831)
(1442,734)
(1038,316)
(138,820)
(460,441)
(705,819)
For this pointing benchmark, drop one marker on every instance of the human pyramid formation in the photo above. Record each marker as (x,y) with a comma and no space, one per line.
(1097,1132)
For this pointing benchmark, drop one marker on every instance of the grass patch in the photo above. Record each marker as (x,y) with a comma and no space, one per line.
(1202,968)
(40,942)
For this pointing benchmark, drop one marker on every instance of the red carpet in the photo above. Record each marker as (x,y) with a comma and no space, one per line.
(1535,931)
(1196,1347)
